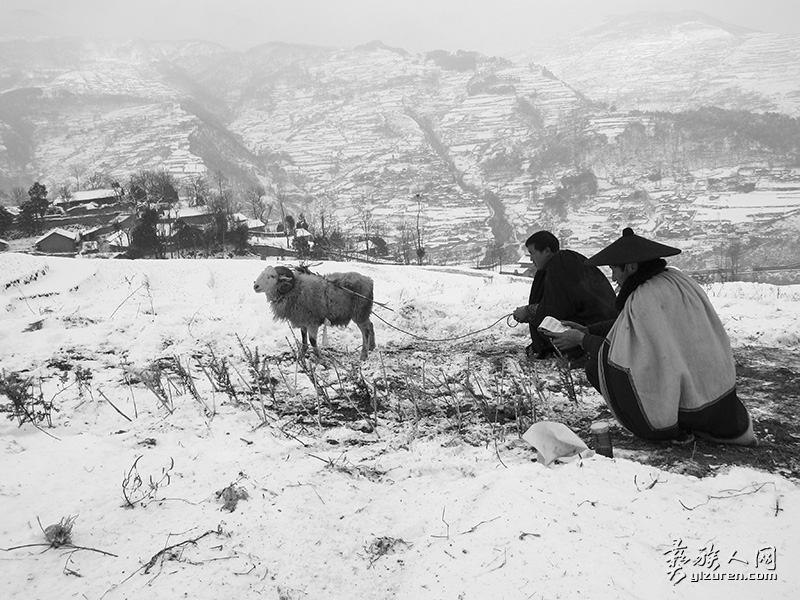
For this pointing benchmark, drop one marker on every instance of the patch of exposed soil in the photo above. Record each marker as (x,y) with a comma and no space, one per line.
(769,385)
(482,392)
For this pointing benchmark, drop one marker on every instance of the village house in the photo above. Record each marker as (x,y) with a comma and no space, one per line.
(57,241)
(86,198)
(192,215)
(3,245)
(256,225)
(119,241)
(121,222)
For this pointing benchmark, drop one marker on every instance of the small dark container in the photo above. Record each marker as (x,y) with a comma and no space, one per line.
(601,436)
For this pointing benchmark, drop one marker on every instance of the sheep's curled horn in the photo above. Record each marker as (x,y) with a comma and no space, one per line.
(285,279)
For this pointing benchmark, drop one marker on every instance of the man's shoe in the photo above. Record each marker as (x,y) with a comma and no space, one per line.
(534,354)
(684,438)
(579,362)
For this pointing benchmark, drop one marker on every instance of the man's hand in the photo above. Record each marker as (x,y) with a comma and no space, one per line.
(574,325)
(522,314)
(571,338)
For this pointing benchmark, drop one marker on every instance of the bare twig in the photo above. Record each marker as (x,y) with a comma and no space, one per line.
(61,546)
(112,404)
(59,535)
(90,549)
(734,494)
(502,564)
(151,563)
(9,549)
(447,525)
(125,300)
(652,484)
(145,568)
(134,490)
(473,529)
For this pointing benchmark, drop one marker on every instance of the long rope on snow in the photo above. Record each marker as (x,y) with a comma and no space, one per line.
(447,339)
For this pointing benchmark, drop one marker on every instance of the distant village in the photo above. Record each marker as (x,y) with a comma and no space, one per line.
(99,222)
(711,204)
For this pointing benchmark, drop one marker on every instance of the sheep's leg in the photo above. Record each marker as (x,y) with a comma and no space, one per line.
(312,336)
(367,338)
(304,342)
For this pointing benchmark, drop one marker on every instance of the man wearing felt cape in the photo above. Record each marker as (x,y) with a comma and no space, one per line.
(664,365)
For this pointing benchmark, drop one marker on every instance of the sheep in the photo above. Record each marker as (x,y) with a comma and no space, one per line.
(306,300)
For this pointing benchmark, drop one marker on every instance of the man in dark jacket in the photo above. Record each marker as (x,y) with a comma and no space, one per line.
(564,288)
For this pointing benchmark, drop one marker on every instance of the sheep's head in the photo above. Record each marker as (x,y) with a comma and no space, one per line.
(274,281)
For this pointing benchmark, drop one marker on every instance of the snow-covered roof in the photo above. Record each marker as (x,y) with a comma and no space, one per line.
(190,211)
(87,206)
(89,195)
(119,239)
(256,239)
(251,223)
(58,231)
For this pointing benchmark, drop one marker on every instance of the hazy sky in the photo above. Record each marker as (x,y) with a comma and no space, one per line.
(488,26)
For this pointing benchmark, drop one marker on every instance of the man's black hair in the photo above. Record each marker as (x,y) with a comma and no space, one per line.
(543,239)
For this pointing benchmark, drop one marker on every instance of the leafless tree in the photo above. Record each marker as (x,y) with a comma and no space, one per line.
(98,181)
(77,171)
(197,190)
(119,191)
(406,243)
(420,248)
(223,205)
(365,220)
(733,253)
(256,201)
(280,198)
(154,187)
(64,191)
(18,195)
(323,209)
(220,183)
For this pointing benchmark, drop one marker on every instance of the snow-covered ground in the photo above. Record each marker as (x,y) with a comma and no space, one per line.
(405,510)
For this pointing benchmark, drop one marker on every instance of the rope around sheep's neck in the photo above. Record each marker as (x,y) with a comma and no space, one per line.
(381,304)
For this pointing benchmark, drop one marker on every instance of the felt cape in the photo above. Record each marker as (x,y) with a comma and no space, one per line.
(670,342)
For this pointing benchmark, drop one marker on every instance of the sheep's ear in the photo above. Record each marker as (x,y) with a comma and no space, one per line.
(285,282)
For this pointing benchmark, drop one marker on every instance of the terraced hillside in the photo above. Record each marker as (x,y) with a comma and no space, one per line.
(477,150)
(678,61)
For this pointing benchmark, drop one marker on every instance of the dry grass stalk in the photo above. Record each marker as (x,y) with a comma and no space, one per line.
(187,380)
(60,534)
(136,491)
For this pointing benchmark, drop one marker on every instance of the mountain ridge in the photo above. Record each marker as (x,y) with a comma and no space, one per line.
(487,141)
(677,61)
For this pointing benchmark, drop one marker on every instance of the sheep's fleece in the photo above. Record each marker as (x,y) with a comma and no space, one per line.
(308,300)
